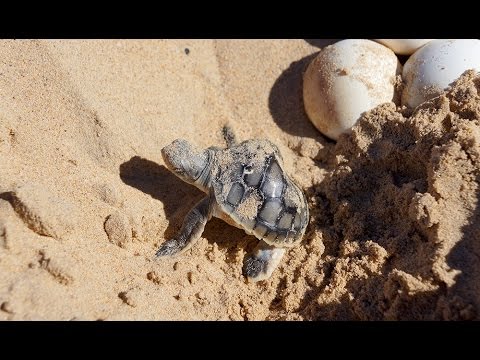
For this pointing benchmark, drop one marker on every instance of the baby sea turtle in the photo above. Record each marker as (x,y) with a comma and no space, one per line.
(247,187)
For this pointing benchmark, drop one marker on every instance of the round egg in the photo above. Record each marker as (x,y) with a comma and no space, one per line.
(345,80)
(403,46)
(435,66)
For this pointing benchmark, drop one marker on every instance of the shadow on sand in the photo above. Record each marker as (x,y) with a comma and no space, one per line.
(178,199)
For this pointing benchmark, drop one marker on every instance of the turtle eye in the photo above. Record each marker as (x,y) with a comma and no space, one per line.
(247,169)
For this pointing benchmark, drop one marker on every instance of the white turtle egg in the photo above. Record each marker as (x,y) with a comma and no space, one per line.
(435,66)
(403,46)
(345,80)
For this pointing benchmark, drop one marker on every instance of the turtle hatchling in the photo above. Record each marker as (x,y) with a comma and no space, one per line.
(247,187)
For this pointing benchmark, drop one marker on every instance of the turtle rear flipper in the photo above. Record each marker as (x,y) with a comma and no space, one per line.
(262,262)
(192,228)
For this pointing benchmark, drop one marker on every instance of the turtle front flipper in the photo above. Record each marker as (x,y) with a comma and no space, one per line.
(261,263)
(192,228)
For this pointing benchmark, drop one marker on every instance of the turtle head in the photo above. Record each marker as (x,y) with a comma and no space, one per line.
(187,162)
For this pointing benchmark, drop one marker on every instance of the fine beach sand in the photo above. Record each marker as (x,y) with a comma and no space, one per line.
(85,198)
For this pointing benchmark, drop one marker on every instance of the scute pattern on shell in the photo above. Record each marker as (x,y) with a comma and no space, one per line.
(253,168)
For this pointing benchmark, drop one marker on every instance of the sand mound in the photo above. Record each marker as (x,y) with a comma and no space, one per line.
(401,221)
(85,199)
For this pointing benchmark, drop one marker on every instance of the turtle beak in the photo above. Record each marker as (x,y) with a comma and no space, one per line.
(172,159)
(184,160)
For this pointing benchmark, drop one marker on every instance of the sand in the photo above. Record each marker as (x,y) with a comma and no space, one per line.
(85,198)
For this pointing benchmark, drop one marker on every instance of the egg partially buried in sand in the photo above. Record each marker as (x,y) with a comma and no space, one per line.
(345,80)
(435,66)
(403,46)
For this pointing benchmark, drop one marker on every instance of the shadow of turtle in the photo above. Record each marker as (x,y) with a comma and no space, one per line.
(230,239)
(178,199)
(158,182)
